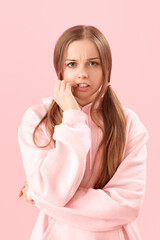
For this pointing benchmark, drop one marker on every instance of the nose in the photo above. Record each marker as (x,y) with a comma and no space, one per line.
(82,73)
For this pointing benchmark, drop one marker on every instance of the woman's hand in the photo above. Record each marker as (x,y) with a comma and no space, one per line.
(23,192)
(64,97)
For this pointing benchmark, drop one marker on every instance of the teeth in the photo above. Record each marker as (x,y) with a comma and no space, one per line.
(83,85)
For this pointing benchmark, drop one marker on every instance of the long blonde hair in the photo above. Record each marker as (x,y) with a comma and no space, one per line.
(110,108)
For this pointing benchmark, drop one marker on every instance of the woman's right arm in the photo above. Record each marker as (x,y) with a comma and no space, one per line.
(55,174)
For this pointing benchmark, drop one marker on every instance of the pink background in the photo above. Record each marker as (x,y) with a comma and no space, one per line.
(29,30)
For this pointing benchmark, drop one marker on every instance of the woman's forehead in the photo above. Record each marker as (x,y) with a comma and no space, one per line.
(82,48)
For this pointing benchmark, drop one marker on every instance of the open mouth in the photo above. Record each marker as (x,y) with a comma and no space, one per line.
(82,87)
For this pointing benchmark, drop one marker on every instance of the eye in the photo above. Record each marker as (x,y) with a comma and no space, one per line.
(72,64)
(95,63)
(69,64)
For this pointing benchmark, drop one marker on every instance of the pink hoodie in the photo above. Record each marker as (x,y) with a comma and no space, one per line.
(58,178)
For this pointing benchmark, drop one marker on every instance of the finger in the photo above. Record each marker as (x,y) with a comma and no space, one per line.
(68,87)
(73,86)
(25,194)
(31,201)
(20,194)
(24,190)
(72,89)
(56,87)
(28,200)
(24,184)
(21,188)
(62,86)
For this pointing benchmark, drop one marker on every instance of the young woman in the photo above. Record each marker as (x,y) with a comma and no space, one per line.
(84,153)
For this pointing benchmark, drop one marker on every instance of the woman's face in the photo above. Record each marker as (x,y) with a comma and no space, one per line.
(82,65)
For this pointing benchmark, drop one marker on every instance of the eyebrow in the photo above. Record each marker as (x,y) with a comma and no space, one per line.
(87,59)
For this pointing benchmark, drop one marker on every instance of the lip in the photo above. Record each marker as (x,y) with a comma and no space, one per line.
(82,83)
(83,89)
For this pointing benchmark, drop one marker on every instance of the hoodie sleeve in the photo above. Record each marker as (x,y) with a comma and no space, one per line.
(118,203)
(56,173)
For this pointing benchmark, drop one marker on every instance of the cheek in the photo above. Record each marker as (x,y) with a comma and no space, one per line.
(97,75)
(96,71)
(68,75)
